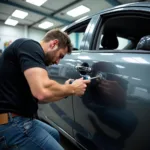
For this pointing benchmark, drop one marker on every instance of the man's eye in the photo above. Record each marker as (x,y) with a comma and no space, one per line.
(61,56)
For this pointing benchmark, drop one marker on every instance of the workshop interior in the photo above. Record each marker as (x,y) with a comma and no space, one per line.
(110,56)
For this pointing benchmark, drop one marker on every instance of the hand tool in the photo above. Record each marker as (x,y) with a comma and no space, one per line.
(87,77)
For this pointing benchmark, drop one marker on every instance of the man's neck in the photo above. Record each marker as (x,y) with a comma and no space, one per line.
(44,46)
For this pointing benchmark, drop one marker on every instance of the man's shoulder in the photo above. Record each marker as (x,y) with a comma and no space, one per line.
(26,43)
(23,40)
(29,46)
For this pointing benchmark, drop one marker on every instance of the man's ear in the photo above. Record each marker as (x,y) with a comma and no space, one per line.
(56,42)
(53,43)
(55,47)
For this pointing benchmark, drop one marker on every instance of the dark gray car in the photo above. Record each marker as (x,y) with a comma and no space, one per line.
(114,112)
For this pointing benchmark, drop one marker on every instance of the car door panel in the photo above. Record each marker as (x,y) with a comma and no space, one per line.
(115,109)
(112,109)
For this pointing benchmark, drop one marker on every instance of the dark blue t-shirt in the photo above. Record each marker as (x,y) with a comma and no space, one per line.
(15,94)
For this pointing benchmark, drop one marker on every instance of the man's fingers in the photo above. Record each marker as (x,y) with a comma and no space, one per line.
(86,81)
(85,85)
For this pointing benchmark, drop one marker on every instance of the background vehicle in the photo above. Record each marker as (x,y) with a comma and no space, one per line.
(113,114)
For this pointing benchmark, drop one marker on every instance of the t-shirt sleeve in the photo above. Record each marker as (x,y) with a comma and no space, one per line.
(30,54)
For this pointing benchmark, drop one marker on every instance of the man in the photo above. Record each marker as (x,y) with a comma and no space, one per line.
(24,82)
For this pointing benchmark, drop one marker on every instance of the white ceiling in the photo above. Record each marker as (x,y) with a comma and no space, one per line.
(60,18)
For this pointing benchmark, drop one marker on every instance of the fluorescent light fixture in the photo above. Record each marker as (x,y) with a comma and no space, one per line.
(45,25)
(36,2)
(81,18)
(19,14)
(11,22)
(78,11)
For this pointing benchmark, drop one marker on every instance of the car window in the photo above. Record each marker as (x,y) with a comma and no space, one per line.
(123,35)
(77,32)
(76,39)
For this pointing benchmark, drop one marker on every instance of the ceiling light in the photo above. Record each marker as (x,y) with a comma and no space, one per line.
(78,11)
(19,14)
(45,25)
(36,2)
(11,22)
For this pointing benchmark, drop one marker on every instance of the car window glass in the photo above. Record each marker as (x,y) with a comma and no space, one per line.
(76,38)
(76,33)
(124,35)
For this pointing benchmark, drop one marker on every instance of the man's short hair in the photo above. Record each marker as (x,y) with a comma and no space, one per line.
(62,37)
(144,43)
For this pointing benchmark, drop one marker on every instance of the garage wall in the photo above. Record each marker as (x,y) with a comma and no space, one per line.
(36,34)
(9,33)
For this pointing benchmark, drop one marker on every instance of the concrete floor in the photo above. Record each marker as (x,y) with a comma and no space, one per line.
(67,145)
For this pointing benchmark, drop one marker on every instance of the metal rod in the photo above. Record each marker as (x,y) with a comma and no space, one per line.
(94,77)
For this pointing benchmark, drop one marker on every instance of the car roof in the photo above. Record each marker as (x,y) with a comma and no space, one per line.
(135,4)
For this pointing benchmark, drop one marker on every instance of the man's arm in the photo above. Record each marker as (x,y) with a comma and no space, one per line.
(46,90)
(50,100)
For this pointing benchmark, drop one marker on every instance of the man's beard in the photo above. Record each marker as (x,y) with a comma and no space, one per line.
(48,58)
(47,61)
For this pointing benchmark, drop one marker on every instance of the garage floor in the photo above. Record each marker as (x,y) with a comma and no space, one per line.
(67,145)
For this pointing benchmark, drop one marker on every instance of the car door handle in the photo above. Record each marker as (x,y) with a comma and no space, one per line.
(83,68)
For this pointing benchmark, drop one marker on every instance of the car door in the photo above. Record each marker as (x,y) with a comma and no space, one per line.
(114,112)
(60,113)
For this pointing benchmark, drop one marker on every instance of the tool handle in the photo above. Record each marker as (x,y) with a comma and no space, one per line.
(86,77)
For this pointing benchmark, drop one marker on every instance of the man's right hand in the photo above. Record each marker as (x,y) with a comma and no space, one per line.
(80,86)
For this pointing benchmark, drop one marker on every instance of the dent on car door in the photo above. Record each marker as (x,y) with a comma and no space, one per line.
(114,112)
